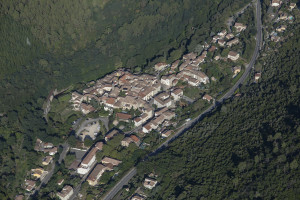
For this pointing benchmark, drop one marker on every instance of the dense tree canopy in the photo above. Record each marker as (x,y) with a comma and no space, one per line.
(248,148)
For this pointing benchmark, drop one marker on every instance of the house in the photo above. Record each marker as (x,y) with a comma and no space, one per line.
(160,66)
(147,128)
(175,65)
(207,97)
(281,28)
(87,161)
(240,27)
(123,117)
(212,48)
(150,183)
(233,55)
(135,139)
(177,94)
(126,141)
(60,182)
(168,115)
(86,108)
(200,76)
(38,173)
(215,39)
(51,152)
(19,197)
(221,43)
(47,160)
(189,57)
(159,102)
(222,33)
(167,80)
(275,38)
(111,134)
(96,174)
(166,133)
(30,185)
(233,42)
(276,3)
(99,146)
(65,193)
(198,61)
(292,6)
(236,70)
(109,103)
(257,76)
(229,36)
(283,16)
(137,197)
(108,160)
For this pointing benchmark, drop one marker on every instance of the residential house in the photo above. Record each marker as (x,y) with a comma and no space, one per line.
(200,76)
(222,33)
(38,173)
(150,183)
(275,38)
(159,102)
(87,161)
(47,160)
(229,36)
(160,66)
(135,139)
(215,39)
(177,94)
(236,70)
(96,174)
(65,193)
(108,160)
(283,16)
(175,65)
(240,27)
(51,151)
(207,97)
(86,108)
(189,57)
(198,61)
(276,3)
(212,48)
(126,141)
(168,80)
(29,185)
(147,128)
(123,117)
(257,76)
(166,133)
(60,182)
(233,55)
(137,197)
(292,6)
(19,197)
(111,134)
(221,42)
(281,28)
(233,42)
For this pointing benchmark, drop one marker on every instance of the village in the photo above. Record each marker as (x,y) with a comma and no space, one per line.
(140,105)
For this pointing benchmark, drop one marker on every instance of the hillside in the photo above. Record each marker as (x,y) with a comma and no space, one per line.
(55,44)
(247,149)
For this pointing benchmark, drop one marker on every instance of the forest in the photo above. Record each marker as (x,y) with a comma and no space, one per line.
(248,148)
(53,44)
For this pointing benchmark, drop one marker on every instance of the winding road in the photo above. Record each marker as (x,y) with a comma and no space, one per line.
(192,122)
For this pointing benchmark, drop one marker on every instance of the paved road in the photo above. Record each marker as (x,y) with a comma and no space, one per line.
(120,184)
(78,187)
(191,123)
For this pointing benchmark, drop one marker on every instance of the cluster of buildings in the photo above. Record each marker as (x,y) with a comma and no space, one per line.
(39,173)
(149,183)
(281,16)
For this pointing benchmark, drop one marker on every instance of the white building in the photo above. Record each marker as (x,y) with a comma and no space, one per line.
(87,162)
(150,183)
(233,55)
(65,193)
